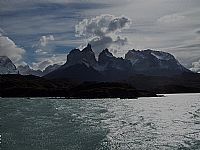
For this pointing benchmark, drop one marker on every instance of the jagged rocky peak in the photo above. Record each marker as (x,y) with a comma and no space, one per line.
(107,59)
(105,56)
(88,48)
(86,56)
(73,56)
(106,52)
(7,66)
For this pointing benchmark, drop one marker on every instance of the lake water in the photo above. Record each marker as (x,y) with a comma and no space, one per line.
(171,122)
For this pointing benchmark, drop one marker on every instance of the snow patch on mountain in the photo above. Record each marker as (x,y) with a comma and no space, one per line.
(162,55)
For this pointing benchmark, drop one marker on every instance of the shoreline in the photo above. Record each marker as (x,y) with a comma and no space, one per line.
(46,97)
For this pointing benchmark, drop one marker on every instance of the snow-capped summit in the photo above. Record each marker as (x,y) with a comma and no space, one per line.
(162,55)
(154,62)
(7,66)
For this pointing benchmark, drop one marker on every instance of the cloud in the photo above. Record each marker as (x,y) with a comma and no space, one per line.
(168,19)
(27,20)
(40,52)
(103,31)
(10,49)
(195,66)
(44,40)
(43,47)
(45,54)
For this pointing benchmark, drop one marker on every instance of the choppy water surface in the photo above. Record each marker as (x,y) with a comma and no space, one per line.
(171,122)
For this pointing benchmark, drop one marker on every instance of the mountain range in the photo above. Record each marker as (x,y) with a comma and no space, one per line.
(26,70)
(83,65)
(139,73)
(8,67)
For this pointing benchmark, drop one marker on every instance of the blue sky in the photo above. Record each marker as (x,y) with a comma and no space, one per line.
(42,32)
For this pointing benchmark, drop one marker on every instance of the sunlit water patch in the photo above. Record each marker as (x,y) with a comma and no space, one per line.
(171,122)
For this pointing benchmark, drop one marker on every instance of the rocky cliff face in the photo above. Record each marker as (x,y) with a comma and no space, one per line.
(7,66)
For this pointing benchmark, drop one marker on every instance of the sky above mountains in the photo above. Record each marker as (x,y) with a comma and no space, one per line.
(42,32)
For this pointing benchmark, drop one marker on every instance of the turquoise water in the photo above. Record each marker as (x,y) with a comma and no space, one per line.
(171,122)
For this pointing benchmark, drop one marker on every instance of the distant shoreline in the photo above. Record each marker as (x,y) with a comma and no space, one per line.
(137,86)
(157,95)
(76,98)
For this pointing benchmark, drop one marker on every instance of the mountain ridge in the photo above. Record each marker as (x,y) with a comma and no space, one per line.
(109,67)
(83,76)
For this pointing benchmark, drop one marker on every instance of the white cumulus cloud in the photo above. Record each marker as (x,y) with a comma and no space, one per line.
(44,40)
(44,46)
(103,31)
(196,67)
(10,49)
